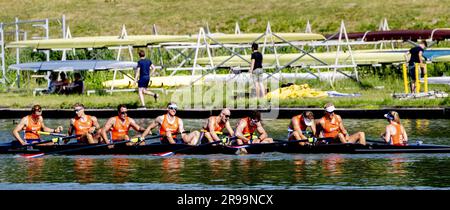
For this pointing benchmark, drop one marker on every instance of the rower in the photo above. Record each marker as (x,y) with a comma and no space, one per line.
(119,127)
(171,125)
(247,127)
(85,127)
(31,125)
(299,124)
(333,127)
(214,126)
(395,133)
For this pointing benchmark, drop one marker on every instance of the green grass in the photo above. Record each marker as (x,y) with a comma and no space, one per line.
(375,94)
(100,17)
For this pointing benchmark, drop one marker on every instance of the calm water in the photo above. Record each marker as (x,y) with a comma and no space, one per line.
(265,171)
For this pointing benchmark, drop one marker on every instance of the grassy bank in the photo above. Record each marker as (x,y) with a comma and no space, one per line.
(375,93)
(105,17)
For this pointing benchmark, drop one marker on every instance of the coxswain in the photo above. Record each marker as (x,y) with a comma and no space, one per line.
(395,133)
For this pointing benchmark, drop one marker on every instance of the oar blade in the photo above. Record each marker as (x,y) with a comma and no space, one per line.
(29,156)
(164,154)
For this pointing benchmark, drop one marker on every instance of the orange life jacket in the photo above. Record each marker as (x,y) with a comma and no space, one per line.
(120,129)
(218,126)
(331,129)
(166,126)
(300,121)
(396,137)
(32,128)
(248,129)
(82,127)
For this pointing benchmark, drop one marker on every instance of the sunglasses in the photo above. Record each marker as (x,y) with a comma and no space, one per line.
(227,116)
(173,108)
(77,110)
(122,112)
(38,110)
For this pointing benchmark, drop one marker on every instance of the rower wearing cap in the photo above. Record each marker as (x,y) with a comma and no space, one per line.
(119,127)
(84,126)
(247,128)
(31,125)
(395,133)
(171,125)
(299,124)
(333,127)
(214,126)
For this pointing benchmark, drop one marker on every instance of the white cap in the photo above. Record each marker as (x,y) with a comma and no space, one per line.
(307,121)
(330,109)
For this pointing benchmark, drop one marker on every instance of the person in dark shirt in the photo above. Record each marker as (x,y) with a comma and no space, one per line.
(416,57)
(143,73)
(77,86)
(256,70)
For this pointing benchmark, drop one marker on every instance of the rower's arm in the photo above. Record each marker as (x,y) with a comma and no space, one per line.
(19,128)
(229,129)
(405,136)
(71,127)
(252,66)
(135,126)
(96,124)
(314,129)
(341,126)
(106,128)
(239,129)
(181,128)
(47,129)
(211,130)
(387,135)
(152,125)
(262,132)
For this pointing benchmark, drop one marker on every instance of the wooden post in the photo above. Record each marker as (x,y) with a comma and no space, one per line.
(405,78)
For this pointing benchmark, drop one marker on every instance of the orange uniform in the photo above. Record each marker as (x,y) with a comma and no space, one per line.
(395,138)
(300,121)
(249,129)
(120,129)
(218,126)
(32,128)
(331,129)
(166,126)
(82,127)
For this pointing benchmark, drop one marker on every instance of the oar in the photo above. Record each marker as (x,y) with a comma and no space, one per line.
(54,140)
(73,150)
(139,139)
(52,134)
(166,154)
(302,140)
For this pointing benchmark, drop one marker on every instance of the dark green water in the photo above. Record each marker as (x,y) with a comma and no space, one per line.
(265,171)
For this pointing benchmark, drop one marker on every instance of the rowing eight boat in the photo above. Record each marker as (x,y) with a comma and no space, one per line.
(284,147)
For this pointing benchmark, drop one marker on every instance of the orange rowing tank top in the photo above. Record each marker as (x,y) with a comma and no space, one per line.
(82,127)
(218,126)
(248,129)
(300,121)
(166,126)
(32,128)
(396,137)
(331,129)
(120,128)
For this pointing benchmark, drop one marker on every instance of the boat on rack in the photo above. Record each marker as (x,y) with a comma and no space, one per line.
(283,147)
